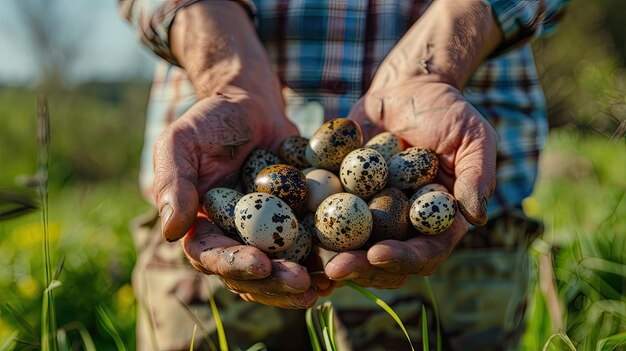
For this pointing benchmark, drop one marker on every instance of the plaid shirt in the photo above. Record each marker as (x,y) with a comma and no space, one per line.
(326,53)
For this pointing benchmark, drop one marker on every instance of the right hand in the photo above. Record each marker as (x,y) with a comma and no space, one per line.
(203,149)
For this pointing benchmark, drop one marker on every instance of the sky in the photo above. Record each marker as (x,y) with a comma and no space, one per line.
(107,48)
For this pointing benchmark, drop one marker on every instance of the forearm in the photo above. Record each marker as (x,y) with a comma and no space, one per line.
(446,44)
(216,44)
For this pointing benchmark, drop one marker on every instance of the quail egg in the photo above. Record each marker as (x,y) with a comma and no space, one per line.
(265,221)
(390,214)
(433,212)
(292,151)
(322,184)
(426,189)
(299,251)
(332,142)
(219,204)
(363,173)
(254,163)
(343,222)
(285,182)
(412,168)
(387,144)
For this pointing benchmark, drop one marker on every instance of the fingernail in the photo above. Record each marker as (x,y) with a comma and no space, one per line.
(484,203)
(166,214)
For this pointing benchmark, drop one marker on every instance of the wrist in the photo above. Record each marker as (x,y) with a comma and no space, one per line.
(446,44)
(216,44)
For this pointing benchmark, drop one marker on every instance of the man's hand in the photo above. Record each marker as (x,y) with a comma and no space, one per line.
(239,108)
(416,93)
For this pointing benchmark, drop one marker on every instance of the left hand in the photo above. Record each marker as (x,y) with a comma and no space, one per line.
(433,115)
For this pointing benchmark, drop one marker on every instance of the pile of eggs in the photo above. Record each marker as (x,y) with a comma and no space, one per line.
(331,191)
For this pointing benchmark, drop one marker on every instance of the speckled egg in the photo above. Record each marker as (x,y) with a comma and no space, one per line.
(426,189)
(390,214)
(219,204)
(387,144)
(433,212)
(265,221)
(299,251)
(292,150)
(332,142)
(363,173)
(412,168)
(343,222)
(254,163)
(322,184)
(285,182)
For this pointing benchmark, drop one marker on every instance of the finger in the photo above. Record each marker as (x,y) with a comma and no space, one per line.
(286,278)
(175,182)
(354,266)
(210,251)
(291,301)
(421,255)
(475,171)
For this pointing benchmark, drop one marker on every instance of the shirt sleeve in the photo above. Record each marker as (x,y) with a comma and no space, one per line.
(152,19)
(521,21)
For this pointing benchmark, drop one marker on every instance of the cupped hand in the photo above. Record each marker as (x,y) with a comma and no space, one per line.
(247,271)
(205,148)
(436,116)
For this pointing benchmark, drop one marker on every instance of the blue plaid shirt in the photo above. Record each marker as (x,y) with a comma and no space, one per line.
(326,52)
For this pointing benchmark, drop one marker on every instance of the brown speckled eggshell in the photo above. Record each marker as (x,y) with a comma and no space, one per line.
(332,142)
(254,163)
(390,214)
(299,251)
(292,150)
(284,181)
(343,222)
(265,221)
(219,204)
(426,189)
(433,212)
(412,168)
(387,144)
(322,184)
(363,173)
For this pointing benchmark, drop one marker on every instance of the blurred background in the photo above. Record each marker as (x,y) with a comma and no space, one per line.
(96,78)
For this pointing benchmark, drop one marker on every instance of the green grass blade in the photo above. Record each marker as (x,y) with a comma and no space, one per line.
(104,319)
(563,338)
(62,340)
(198,322)
(369,295)
(221,335)
(28,329)
(321,317)
(9,343)
(84,334)
(193,337)
(259,346)
(433,302)
(612,342)
(424,329)
(310,326)
(329,317)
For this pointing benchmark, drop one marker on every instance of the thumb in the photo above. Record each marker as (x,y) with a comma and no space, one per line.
(475,174)
(175,182)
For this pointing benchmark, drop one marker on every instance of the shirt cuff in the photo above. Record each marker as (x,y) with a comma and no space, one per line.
(153,18)
(520,21)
